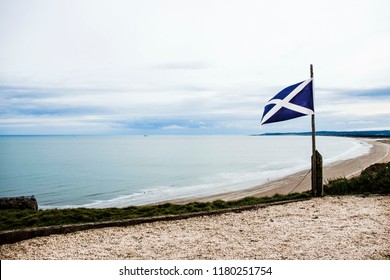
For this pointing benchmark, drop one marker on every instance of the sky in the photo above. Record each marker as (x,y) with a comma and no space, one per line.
(190,66)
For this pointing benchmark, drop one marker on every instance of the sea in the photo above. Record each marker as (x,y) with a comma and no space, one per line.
(120,171)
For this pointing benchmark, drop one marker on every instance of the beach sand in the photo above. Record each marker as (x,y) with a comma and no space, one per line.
(346,227)
(380,152)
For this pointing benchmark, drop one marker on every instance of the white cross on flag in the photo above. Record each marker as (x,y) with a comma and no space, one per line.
(292,102)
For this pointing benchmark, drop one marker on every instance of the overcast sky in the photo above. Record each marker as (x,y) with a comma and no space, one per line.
(189,67)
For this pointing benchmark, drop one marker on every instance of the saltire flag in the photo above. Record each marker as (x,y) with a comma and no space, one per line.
(292,102)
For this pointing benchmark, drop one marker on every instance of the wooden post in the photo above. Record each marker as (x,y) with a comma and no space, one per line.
(319,177)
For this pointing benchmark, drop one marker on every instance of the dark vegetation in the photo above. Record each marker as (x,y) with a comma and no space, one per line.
(374,180)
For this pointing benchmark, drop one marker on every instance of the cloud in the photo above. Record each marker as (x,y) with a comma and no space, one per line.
(354,102)
(149,109)
(374,93)
(188,66)
(181,108)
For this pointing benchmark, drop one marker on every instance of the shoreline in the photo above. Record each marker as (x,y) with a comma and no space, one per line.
(297,182)
(319,228)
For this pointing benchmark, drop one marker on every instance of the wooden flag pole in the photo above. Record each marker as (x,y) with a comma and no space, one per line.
(313,145)
(316,159)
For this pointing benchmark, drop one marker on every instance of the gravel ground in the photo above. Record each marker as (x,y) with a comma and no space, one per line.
(332,228)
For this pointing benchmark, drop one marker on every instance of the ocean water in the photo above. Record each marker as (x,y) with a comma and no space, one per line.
(106,171)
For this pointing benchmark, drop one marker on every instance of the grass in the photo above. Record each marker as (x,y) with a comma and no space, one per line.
(375,179)
(19,219)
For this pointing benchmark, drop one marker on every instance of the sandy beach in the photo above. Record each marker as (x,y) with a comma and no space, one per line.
(347,227)
(380,152)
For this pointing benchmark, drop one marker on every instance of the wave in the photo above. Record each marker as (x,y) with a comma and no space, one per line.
(133,171)
(222,182)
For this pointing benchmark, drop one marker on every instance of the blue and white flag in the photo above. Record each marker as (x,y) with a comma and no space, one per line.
(292,102)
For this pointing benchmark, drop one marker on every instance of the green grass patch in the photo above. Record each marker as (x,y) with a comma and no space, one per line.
(18,219)
(373,180)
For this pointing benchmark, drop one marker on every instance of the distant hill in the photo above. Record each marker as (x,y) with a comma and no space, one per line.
(370,133)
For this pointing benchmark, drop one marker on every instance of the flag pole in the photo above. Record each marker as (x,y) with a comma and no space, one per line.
(313,145)
(316,159)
